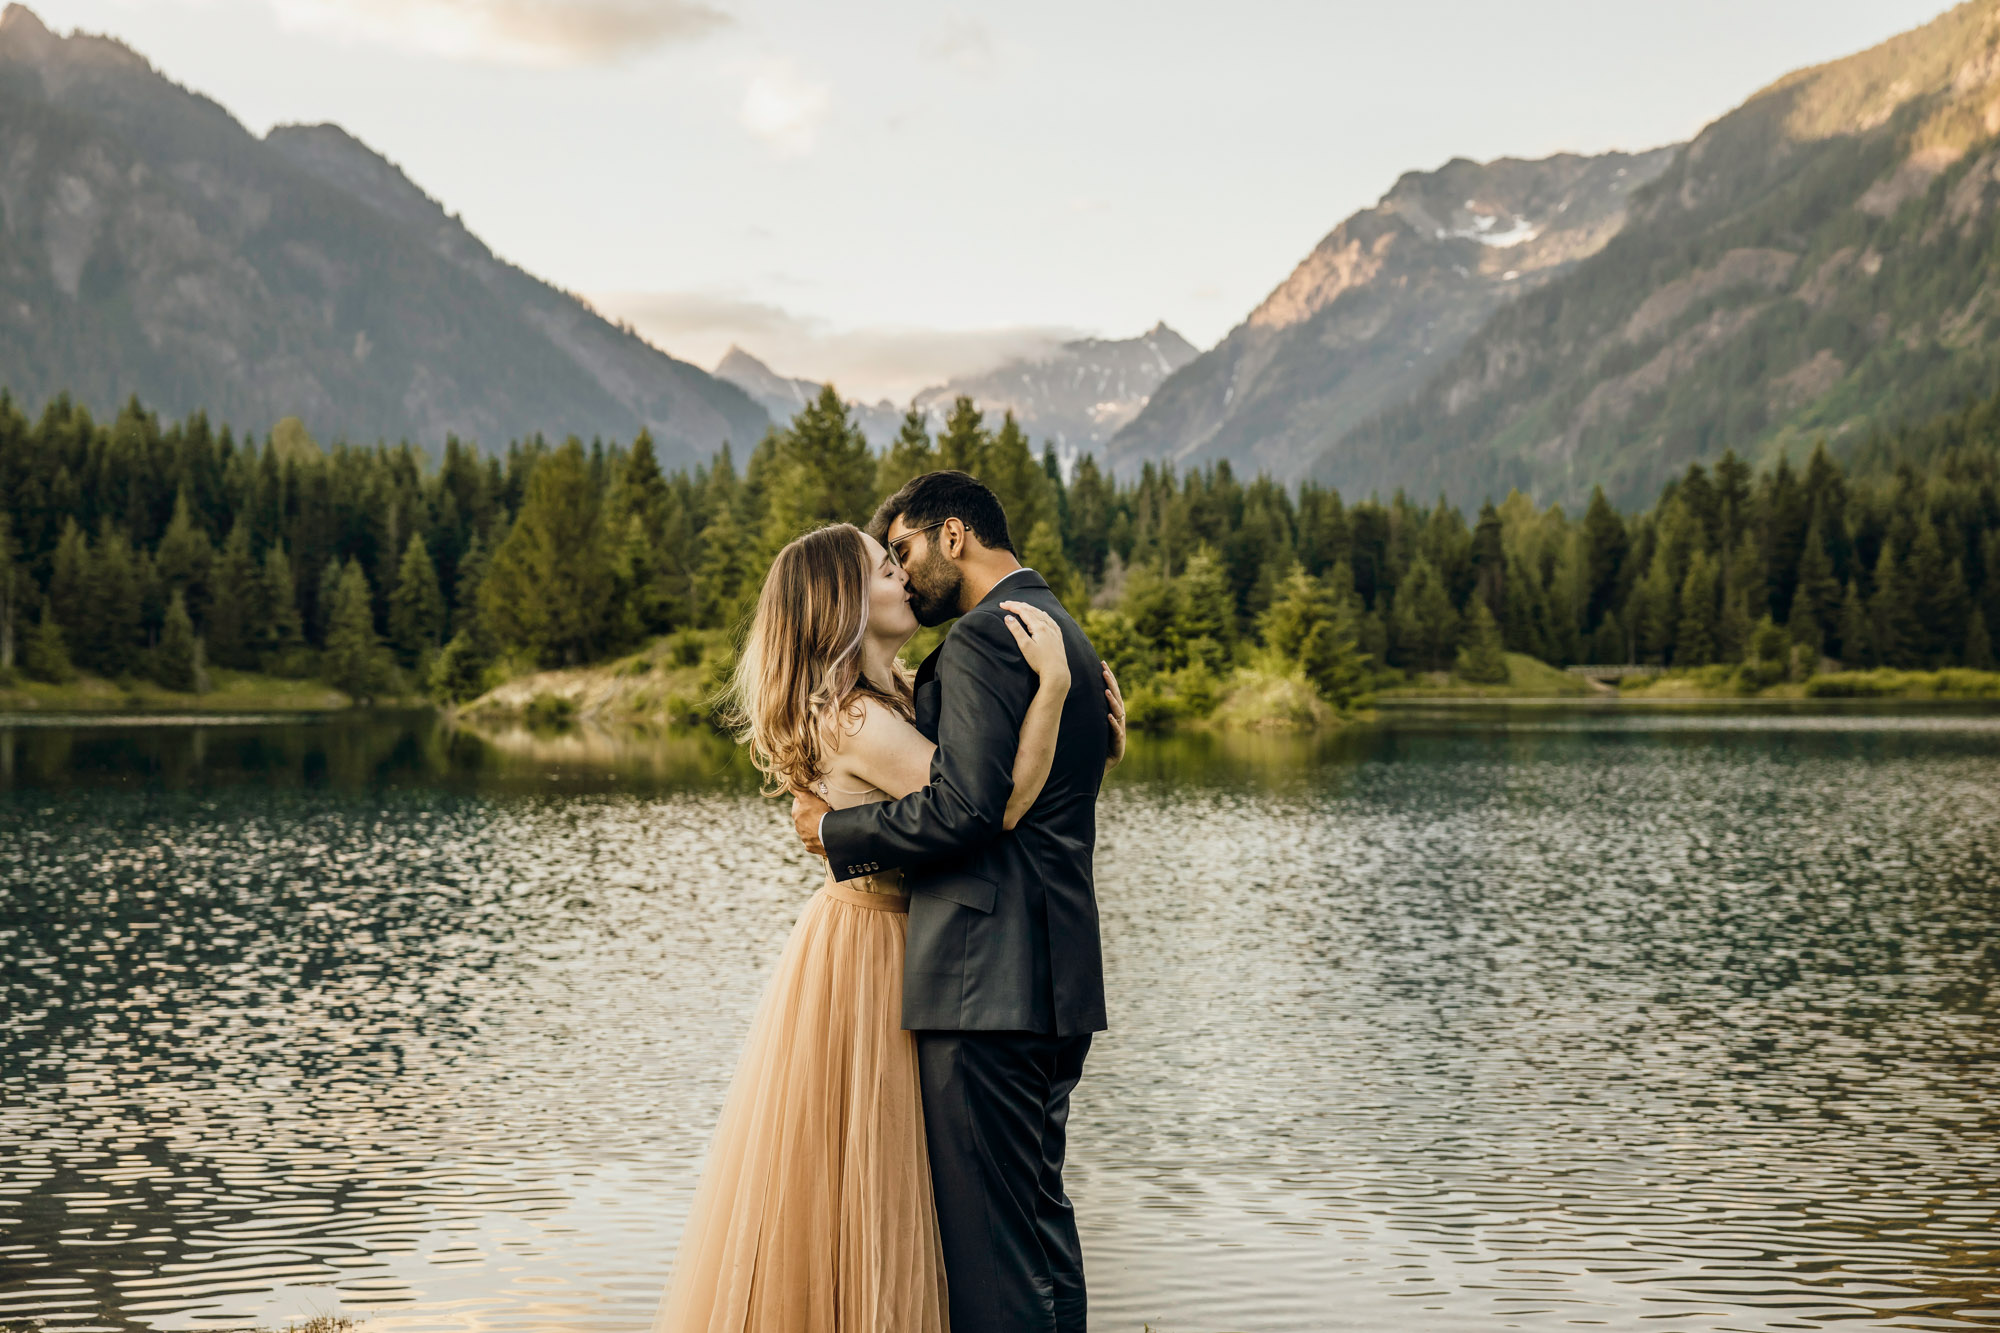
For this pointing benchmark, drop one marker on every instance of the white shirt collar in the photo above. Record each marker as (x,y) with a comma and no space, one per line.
(1010,574)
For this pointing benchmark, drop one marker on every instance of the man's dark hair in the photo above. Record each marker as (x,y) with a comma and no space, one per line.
(937,496)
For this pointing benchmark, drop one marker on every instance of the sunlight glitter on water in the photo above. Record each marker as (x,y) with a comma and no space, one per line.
(1447,1024)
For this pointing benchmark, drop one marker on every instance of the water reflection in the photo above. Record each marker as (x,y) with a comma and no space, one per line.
(1484,1020)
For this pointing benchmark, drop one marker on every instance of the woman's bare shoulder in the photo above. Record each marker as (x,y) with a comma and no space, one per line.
(876,724)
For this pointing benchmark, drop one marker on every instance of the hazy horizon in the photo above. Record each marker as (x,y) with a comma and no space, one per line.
(891,195)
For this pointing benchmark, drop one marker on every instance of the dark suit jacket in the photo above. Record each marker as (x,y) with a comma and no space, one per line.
(1003,925)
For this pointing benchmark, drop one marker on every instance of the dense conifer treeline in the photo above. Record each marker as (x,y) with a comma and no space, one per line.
(135,548)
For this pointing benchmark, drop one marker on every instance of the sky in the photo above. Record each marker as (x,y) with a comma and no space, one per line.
(889,192)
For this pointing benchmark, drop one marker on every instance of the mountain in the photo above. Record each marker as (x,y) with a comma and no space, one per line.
(1387,297)
(1076,395)
(1824,261)
(151,245)
(782,396)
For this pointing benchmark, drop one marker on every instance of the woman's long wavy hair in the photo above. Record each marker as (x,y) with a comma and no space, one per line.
(799,674)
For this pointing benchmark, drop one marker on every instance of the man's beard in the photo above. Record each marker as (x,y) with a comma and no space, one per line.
(934,584)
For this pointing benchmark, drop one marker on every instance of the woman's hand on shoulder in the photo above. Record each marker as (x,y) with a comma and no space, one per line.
(1114,699)
(1041,643)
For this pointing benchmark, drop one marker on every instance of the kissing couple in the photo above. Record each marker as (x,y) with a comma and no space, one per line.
(889,1158)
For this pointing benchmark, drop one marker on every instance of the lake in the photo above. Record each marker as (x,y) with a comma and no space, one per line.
(1489,1019)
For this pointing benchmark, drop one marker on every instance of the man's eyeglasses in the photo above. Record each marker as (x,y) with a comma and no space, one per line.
(895,548)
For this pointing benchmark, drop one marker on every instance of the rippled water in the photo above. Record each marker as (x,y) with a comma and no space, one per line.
(1500,1020)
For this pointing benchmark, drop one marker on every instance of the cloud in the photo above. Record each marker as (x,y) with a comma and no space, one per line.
(784,108)
(513,32)
(893,362)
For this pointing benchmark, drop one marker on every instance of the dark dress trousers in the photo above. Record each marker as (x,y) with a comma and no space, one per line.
(1004,980)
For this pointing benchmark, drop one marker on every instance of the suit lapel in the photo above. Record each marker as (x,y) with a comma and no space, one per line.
(926,692)
(926,688)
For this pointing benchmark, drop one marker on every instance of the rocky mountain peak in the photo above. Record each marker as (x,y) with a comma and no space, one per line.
(24,38)
(18,23)
(153,246)
(338,158)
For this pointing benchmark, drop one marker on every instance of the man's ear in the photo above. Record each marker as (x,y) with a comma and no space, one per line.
(952,530)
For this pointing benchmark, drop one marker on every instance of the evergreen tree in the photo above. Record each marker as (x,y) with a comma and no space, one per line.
(236,610)
(636,521)
(13,587)
(70,581)
(1656,608)
(1092,503)
(1898,638)
(1978,643)
(1043,553)
(821,472)
(1935,586)
(909,455)
(353,652)
(547,589)
(459,675)
(1607,545)
(1009,468)
(1694,637)
(1154,605)
(728,571)
(962,445)
(465,592)
(1424,627)
(281,633)
(1483,658)
(184,555)
(1489,562)
(114,620)
(1857,635)
(329,593)
(176,662)
(1816,603)
(1309,625)
(45,657)
(1989,579)
(1207,610)
(417,615)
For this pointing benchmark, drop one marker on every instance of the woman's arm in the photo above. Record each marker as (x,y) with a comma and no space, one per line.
(1114,699)
(1042,645)
(893,757)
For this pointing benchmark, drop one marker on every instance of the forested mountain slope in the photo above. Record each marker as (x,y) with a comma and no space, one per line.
(1379,304)
(149,244)
(1823,260)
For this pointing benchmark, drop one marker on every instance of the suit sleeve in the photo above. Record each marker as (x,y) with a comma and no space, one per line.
(985,688)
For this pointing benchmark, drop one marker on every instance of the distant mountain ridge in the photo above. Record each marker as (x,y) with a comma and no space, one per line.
(1825,259)
(1075,395)
(784,396)
(1384,299)
(150,245)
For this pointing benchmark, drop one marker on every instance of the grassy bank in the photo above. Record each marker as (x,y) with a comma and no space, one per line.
(1527,678)
(229,692)
(1728,682)
(669,682)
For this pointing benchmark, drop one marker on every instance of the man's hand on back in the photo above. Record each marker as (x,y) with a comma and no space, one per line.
(807,811)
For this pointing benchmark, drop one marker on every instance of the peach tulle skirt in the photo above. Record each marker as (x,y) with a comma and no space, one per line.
(814,1213)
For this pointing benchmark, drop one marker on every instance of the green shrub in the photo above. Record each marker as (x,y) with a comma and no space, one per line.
(462,672)
(550,710)
(1757,674)
(685,649)
(1149,708)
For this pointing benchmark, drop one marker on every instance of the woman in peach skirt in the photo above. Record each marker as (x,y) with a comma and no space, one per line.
(814,1213)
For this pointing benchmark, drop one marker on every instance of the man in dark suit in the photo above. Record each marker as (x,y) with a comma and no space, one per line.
(1004,981)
